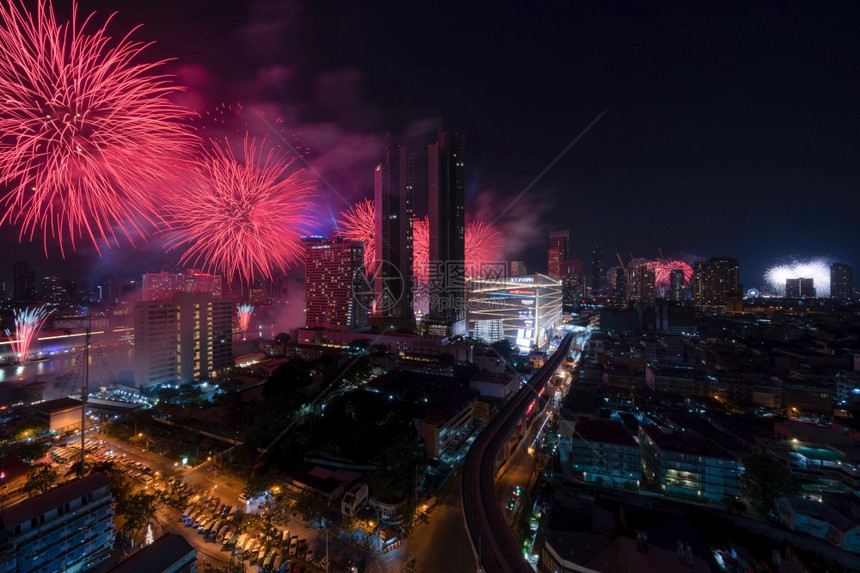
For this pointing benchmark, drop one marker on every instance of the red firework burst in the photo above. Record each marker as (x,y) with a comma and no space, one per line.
(421,249)
(242,218)
(662,270)
(484,247)
(28,322)
(358,223)
(87,134)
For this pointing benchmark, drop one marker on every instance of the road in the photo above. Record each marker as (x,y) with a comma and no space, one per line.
(491,539)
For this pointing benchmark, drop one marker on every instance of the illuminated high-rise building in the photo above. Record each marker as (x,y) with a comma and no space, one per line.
(336,291)
(619,289)
(558,252)
(597,276)
(446,205)
(676,285)
(800,288)
(716,281)
(162,286)
(182,340)
(392,272)
(641,285)
(841,281)
(573,285)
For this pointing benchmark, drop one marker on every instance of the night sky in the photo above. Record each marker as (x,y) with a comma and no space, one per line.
(730,129)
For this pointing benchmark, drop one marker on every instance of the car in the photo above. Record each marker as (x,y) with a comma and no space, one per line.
(286,536)
(294,544)
(225,511)
(309,556)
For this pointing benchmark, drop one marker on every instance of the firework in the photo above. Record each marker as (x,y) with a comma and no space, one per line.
(27,325)
(88,136)
(241,218)
(359,224)
(818,270)
(663,270)
(421,249)
(244,312)
(484,248)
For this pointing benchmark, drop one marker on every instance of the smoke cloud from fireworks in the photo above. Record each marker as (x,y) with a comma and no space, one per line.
(241,217)
(28,322)
(88,137)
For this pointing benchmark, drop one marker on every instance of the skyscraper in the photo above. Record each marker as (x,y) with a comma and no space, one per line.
(800,288)
(185,339)
(392,272)
(715,281)
(841,281)
(23,283)
(597,277)
(334,275)
(518,269)
(557,253)
(676,285)
(641,287)
(447,197)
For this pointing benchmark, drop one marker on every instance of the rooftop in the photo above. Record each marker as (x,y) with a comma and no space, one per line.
(58,405)
(605,431)
(166,551)
(684,442)
(30,508)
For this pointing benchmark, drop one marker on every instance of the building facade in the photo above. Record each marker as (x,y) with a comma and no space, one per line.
(162,286)
(602,451)
(523,309)
(558,252)
(641,285)
(715,281)
(447,210)
(841,282)
(392,272)
(69,529)
(597,276)
(334,277)
(183,340)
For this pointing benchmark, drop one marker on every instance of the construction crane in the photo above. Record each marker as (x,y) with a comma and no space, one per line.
(620,261)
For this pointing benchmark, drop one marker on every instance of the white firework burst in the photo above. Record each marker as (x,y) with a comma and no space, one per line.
(818,270)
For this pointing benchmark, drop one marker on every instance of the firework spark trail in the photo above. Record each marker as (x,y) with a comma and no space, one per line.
(88,136)
(358,223)
(28,322)
(484,244)
(818,270)
(241,218)
(421,249)
(663,270)
(244,312)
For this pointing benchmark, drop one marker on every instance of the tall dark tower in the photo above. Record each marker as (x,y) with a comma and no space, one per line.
(447,198)
(597,287)
(557,253)
(23,283)
(393,183)
(841,281)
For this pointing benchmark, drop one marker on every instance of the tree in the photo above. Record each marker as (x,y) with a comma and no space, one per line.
(310,505)
(138,509)
(764,480)
(40,479)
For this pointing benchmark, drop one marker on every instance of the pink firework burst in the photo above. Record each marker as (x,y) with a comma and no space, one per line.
(663,269)
(244,312)
(28,322)
(485,246)
(88,136)
(358,223)
(421,249)
(241,217)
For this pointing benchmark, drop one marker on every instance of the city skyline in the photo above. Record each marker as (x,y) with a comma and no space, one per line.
(707,158)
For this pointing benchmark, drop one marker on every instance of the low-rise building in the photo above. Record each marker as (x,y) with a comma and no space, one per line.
(820,520)
(691,466)
(443,427)
(494,385)
(354,499)
(61,415)
(603,451)
(170,553)
(69,528)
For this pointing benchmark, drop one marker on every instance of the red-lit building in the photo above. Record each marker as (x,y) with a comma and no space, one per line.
(334,277)
(558,253)
(162,286)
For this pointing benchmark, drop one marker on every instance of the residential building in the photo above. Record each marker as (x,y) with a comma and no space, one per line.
(641,285)
(822,521)
(676,285)
(683,464)
(354,499)
(841,281)
(715,282)
(23,283)
(335,284)
(604,452)
(181,340)
(69,529)
(163,285)
(800,288)
(597,276)
(446,426)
